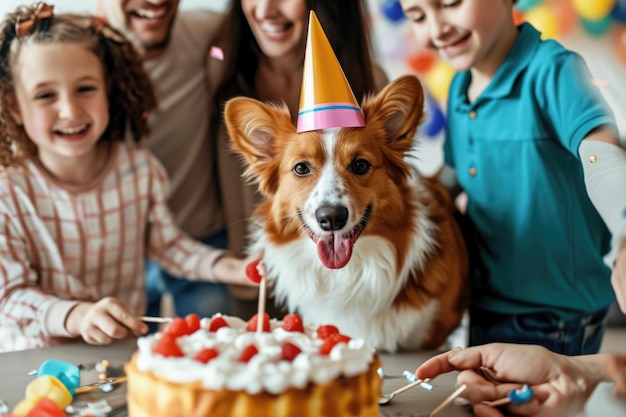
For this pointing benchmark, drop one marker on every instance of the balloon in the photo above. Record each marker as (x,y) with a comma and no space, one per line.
(392,9)
(438,80)
(49,387)
(435,120)
(565,14)
(597,27)
(593,9)
(518,17)
(619,11)
(527,4)
(619,43)
(422,61)
(544,20)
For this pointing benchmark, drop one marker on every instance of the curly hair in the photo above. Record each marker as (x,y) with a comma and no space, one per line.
(130,91)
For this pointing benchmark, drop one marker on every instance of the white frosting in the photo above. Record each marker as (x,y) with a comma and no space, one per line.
(265,371)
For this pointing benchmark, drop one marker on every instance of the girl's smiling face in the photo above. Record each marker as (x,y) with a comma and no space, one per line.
(279,26)
(61,100)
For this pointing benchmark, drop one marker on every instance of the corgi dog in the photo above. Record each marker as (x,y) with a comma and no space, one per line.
(352,234)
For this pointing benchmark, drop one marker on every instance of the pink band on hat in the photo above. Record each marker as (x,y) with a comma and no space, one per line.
(329,115)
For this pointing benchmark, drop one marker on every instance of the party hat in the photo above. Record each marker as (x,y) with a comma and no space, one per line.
(326,99)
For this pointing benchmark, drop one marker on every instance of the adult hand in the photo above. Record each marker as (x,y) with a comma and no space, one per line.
(231,270)
(102,322)
(618,277)
(616,370)
(561,384)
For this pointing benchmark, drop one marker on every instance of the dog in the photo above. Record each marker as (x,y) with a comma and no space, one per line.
(352,234)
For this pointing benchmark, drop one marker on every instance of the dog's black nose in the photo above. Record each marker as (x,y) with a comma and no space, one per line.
(331,217)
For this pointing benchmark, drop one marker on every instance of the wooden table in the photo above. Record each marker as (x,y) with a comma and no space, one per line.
(14,368)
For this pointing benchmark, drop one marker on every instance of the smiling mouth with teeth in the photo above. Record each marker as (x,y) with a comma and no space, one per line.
(70,131)
(149,14)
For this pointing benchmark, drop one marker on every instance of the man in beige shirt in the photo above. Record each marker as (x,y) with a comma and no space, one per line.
(175,45)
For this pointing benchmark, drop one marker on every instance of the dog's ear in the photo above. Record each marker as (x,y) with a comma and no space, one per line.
(399,108)
(253,127)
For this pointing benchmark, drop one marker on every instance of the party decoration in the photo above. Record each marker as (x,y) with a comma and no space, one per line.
(49,387)
(597,27)
(438,80)
(619,11)
(565,14)
(326,100)
(593,9)
(435,120)
(527,4)
(67,373)
(544,20)
(619,43)
(422,61)
(392,9)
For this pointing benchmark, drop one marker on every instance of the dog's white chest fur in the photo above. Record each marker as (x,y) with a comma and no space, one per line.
(358,298)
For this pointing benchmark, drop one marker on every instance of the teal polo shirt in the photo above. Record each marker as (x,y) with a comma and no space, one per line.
(515,150)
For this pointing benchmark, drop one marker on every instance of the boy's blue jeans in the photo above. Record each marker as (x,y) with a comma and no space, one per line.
(202,298)
(580,336)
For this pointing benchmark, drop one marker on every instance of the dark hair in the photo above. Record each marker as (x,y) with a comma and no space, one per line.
(130,92)
(346,25)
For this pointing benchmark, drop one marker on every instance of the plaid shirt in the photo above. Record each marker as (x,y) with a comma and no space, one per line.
(60,245)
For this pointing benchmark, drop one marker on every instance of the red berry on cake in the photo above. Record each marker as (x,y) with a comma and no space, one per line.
(331,341)
(206,355)
(252,271)
(216,323)
(247,353)
(167,346)
(193,322)
(293,323)
(289,351)
(326,330)
(178,327)
(252,323)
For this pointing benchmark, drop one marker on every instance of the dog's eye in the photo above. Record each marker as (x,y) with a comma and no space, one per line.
(360,166)
(301,169)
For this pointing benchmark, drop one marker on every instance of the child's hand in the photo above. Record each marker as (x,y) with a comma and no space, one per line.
(231,270)
(616,369)
(618,277)
(102,322)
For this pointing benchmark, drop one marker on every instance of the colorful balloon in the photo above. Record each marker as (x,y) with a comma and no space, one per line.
(619,11)
(438,80)
(435,120)
(565,14)
(392,9)
(67,373)
(422,61)
(544,20)
(527,4)
(593,10)
(597,27)
(619,43)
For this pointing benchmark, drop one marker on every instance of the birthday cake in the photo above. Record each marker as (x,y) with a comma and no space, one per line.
(226,367)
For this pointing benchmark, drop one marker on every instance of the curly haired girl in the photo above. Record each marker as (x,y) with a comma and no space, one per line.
(81,208)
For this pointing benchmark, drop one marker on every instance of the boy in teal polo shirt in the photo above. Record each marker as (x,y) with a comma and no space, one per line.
(525,130)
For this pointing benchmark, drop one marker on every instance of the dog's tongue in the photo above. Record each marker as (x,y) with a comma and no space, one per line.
(334,250)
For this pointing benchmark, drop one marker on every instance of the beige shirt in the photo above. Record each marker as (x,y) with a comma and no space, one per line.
(180,136)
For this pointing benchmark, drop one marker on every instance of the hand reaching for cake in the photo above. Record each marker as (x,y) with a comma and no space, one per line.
(102,322)
(232,270)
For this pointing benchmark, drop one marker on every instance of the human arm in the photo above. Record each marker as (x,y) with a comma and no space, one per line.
(604,165)
(33,313)
(178,253)
(561,384)
(103,321)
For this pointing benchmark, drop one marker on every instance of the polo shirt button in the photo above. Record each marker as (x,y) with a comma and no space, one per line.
(472,115)
(472,171)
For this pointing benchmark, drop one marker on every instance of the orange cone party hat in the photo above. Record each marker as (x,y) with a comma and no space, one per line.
(326,99)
